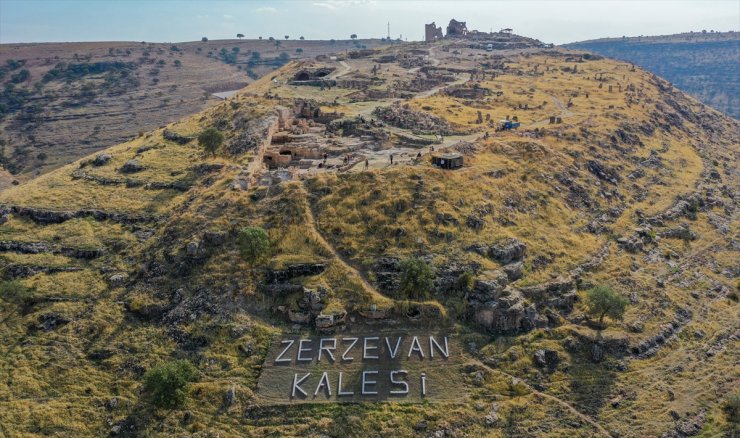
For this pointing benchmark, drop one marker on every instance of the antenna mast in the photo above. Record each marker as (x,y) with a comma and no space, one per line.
(389,30)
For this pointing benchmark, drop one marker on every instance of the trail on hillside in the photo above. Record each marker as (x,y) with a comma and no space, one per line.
(313,228)
(561,402)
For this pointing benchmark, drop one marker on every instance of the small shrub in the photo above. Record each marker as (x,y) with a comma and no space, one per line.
(166,385)
(253,243)
(465,281)
(13,291)
(732,408)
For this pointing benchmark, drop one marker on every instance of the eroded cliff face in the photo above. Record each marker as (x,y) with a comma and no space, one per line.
(131,258)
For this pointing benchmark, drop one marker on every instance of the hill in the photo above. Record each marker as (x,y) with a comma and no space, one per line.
(702,64)
(140,256)
(62,101)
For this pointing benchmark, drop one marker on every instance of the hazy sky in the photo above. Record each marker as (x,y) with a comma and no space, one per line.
(172,21)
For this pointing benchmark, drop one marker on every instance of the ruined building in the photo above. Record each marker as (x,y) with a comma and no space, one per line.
(432,32)
(457,29)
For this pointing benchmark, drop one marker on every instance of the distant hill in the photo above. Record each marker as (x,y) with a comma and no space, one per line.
(704,65)
(62,101)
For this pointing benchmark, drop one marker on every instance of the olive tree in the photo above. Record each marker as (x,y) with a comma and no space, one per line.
(253,243)
(210,140)
(602,301)
(417,278)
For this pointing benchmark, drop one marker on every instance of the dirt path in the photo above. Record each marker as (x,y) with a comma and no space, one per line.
(562,403)
(312,228)
(347,69)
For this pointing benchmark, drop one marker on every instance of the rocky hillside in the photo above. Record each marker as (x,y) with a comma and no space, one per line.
(62,101)
(703,65)
(137,256)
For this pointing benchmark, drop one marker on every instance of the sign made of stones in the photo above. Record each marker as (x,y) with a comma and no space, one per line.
(408,367)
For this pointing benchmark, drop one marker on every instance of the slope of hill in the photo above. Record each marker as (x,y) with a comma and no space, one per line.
(62,101)
(129,259)
(704,65)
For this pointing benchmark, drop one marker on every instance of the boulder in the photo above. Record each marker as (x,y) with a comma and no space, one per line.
(294,271)
(546,358)
(507,251)
(117,280)
(514,271)
(102,159)
(132,166)
(195,249)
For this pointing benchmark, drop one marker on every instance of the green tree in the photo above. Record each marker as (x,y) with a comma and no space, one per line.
(13,291)
(417,278)
(253,243)
(353,36)
(166,384)
(211,140)
(602,301)
(240,35)
(204,39)
(301,38)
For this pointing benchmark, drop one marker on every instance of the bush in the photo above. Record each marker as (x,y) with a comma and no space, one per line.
(211,140)
(253,243)
(417,278)
(166,385)
(13,291)
(602,301)
(465,281)
(732,408)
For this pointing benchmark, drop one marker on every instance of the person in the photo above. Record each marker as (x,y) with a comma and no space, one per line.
(391,157)
(418,156)
(431,148)
(367,163)
(325,157)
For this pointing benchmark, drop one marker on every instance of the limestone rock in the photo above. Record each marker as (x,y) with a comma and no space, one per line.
(507,251)
(132,166)
(546,358)
(102,159)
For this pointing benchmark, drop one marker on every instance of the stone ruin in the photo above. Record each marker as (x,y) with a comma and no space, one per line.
(504,39)
(432,32)
(302,140)
(457,29)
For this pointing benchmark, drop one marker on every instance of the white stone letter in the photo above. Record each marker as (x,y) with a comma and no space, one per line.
(433,343)
(354,341)
(399,382)
(366,347)
(324,381)
(366,382)
(327,349)
(423,384)
(297,381)
(280,357)
(416,346)
(301,350)
(339,388)
(391,352)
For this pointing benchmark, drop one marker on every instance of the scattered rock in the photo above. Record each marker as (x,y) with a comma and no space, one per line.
(597,353)
(102,159)
(51,321)
(507,251)
(546,358)
(230,397)
(132,166)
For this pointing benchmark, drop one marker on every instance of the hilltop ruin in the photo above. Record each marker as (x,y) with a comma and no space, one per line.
(503,39)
